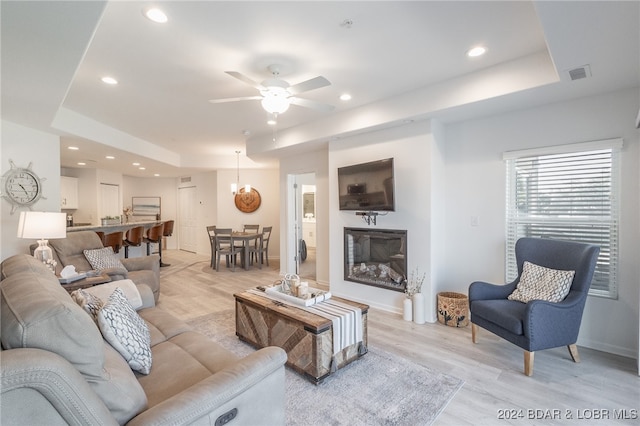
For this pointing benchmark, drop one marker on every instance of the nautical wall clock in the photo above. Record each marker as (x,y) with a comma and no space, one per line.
(21,186)
(248,202)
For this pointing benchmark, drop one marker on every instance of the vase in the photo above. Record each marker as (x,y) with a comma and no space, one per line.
(418,308)
(408,309)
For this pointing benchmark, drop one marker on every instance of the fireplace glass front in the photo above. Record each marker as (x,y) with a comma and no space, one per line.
(376,257)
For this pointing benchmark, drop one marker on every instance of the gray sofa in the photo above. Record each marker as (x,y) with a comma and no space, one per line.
(56,368)
(70,251)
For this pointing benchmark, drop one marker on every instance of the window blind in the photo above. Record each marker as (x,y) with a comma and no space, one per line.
(569,194)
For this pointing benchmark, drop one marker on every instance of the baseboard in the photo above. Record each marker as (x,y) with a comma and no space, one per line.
(611,349)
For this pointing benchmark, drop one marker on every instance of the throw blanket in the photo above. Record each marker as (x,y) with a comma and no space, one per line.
(346,319)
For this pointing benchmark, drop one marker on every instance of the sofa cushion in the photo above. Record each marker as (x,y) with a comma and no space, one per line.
(70,250)
(507,314)
(103,259)
(126,331)
(38,313)
(540,283)
(181,362)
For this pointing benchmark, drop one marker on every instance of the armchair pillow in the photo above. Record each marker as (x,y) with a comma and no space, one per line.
(104,258)
(126,331)
(540,283)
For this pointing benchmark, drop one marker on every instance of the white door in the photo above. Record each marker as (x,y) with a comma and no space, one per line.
(110,200)
(187,218)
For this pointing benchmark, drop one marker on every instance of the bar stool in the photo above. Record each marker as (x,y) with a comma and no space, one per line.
(154,235)
(114,240)
(167,232)
(133,238)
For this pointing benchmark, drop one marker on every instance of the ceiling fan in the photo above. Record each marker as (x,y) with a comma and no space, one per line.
(276,94)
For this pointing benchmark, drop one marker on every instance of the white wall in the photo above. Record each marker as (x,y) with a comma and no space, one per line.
(24,146)
(414,150)
(265,181)
(475,186)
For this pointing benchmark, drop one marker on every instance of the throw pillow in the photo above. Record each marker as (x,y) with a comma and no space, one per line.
(103,258)
(128,287)
(126,331)
(89,302)
(540,283)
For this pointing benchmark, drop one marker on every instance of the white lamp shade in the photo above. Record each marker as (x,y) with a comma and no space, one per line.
(42,225)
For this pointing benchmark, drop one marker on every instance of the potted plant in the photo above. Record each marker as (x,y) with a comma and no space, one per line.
(110,220)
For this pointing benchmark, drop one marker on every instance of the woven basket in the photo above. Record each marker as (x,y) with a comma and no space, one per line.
(453,309)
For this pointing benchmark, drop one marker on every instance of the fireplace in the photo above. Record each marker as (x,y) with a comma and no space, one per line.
(376,257)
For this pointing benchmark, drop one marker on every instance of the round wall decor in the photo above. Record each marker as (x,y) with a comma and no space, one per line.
(247,202)
(21,186)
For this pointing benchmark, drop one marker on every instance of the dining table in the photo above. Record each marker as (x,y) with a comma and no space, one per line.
(247,238)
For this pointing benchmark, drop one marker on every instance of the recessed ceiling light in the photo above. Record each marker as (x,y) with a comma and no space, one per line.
(82,163)
(73,148)
(345,97)
(474,52)
(142,168)
(109,157)
(156,174)
(109,80)
(156,15)
(136,164)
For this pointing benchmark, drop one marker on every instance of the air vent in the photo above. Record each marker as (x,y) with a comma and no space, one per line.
(185,179)
(580,72)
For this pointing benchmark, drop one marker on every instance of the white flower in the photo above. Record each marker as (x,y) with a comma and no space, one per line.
(414,283)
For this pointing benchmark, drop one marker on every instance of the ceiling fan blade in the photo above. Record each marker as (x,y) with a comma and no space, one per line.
(245,79)
(311,104)
(242,98)
(312,84)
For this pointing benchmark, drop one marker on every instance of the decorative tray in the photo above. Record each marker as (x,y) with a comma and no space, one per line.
(313,296)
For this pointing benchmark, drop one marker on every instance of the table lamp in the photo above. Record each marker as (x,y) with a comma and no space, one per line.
(40,226)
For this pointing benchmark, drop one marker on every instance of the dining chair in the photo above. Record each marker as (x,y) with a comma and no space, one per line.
(224,246)
(266,236)
(254,247)
(133,238)
(256,251)
(211,233)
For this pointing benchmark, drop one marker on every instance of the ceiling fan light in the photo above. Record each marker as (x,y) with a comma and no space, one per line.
(275,104)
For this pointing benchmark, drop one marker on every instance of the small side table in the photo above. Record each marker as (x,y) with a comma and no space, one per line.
(86,282)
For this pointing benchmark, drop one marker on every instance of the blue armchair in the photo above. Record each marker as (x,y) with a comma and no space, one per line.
(538,324)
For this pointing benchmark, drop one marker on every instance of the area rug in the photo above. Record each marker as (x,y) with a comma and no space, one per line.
(378,389)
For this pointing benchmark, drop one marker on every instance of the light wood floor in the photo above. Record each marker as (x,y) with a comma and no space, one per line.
(495,391)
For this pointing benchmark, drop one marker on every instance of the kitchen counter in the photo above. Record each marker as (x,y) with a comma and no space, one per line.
(107,229)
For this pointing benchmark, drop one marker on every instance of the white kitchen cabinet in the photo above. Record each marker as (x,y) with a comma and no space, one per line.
(68,193)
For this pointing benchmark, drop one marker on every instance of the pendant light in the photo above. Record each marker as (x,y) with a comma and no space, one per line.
(236,185)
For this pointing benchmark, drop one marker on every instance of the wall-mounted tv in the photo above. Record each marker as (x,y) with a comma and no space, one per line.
(367,186)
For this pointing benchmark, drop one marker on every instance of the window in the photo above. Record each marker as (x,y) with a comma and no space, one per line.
(568,192)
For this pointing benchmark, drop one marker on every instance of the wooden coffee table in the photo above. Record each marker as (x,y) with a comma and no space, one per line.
(307,338)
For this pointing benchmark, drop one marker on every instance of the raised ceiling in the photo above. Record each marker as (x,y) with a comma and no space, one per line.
(400,61)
